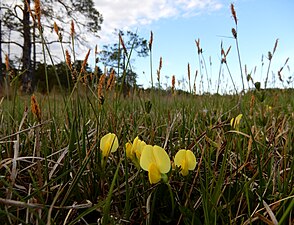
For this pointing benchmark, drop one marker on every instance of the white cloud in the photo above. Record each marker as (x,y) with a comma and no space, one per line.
(126,14)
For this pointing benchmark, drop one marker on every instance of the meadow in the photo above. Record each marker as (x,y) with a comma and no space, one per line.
(90,155)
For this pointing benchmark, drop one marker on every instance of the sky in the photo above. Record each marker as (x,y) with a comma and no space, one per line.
(177,24)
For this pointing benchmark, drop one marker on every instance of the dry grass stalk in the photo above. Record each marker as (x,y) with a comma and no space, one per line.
(280,70)
(224,54)
(150,40)
(195,77)
(16,144)
(252,101)
(35,108)
(234,13)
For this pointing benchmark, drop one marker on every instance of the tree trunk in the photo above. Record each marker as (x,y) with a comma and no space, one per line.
(26,57)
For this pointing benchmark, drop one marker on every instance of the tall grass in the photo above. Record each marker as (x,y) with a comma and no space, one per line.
(53,171)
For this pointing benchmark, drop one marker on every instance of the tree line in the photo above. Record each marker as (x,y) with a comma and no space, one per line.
(22,32)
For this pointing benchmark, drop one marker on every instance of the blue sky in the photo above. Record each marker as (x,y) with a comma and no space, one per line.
(177,24)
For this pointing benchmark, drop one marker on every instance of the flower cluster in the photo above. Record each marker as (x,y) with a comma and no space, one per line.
(151,158)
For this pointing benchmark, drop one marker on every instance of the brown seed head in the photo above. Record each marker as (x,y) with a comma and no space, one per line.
(96,50)
(72,29)
(56,29)
(68,59)
(111,80)
(100,88)
(38,11)
(234,32)
(280,75)
(269,55)
(189,74)
(224,58)
(35,107)
(122,43)
(159,69)
(199,49)
(151,40)
(223,52)
(276,45)
(85,61)
(234,13)
(160,63)
(7,63)
(173,82)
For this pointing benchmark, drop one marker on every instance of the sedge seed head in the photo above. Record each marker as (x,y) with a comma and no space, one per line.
(72,29)
(234,32)
(122,43)
(7,63)
(38,11)
(85,61)
(151,40)
(234,13)
(35,108)
(189,74)
(68,59)
(173,82)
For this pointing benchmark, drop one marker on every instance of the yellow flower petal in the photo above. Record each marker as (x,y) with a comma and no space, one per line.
(180,156)
(186,160)
(184,171)
(236,121)
(129,150)
(147,157)
(108,143)
(155,160)
(162,159)
(232,122)
(139,149)
(191,159)
(153,174)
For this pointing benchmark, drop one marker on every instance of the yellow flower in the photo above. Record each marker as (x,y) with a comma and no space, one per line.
(236,121)
(186,160)
(134,151)
(155,160)
(268,108)
(108,143)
